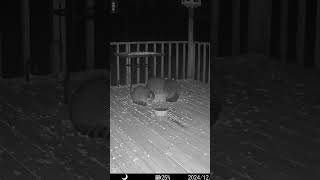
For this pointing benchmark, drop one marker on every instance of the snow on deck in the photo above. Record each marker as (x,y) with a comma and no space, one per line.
(143,143)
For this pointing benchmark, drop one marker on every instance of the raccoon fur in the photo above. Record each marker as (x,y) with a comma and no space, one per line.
(156,85)
(171,88)
(141,95)
(166,87)
(89,108)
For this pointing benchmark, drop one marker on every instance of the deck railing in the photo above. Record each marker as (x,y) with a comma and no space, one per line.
(173,64)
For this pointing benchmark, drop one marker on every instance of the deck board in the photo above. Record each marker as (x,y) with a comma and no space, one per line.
(178,144)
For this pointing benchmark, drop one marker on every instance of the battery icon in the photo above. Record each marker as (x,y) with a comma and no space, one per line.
(157,177)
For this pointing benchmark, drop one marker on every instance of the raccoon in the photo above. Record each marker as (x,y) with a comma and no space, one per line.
(141,95)
(164,87)
(171,88)
(156,85)
(89,112)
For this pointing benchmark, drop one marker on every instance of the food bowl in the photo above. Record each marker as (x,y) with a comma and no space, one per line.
(161,111)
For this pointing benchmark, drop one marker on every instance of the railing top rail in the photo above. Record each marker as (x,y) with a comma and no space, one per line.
(155,42)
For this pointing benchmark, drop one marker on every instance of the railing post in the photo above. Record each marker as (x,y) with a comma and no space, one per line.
(128,65)
(191,55)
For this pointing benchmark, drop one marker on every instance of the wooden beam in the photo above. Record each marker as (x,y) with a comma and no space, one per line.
(236,28)
(284,30)
(317,41)
(301,31)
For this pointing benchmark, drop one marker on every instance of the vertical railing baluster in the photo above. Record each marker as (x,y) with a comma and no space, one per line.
(138,64)
(154,60)
(177,60)
(128,69)
(169,61)
(204,65)
(209,63)
(184,60)
(146,69)
(162,60)
(199,59)
(118,66)
(202,55)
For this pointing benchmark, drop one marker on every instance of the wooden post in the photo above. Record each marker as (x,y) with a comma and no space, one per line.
(89,37)
(317,41)
(259,26)
(63,39)
(26,53)
(56,43)
(236,28)
(214,45)
(252,30)
(191,56)
(268,27)
(284,30)
(301,31)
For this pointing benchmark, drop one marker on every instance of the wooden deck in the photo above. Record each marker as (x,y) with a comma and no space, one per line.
(143,143)
(270,126)
(37,140)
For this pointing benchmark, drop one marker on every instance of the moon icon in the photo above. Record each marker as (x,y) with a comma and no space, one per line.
(125,178)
